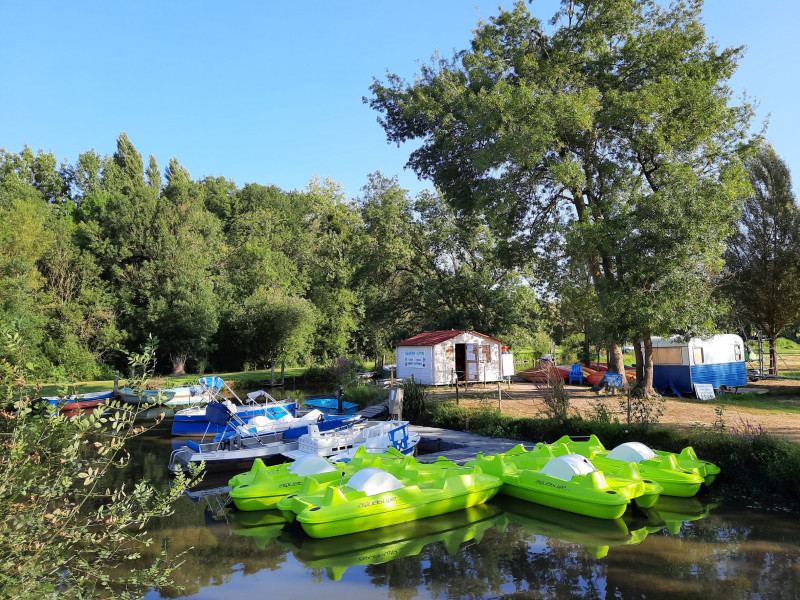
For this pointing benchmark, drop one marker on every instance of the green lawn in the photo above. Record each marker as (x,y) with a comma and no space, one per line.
(780,401)
(246,379)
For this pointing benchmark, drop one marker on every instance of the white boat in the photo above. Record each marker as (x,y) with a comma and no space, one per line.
(192,421)
(237,444)
(341,444)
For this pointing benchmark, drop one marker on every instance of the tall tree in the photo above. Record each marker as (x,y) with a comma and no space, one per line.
(763,256)
(617,120)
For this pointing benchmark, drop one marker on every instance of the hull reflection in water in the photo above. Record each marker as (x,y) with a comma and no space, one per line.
(671,513)
(597,536)
(373,547)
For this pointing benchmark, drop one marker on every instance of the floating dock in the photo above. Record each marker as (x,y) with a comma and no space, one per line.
(458,446)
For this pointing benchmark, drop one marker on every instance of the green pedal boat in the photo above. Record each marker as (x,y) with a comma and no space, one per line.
(569,482)
(679,474)
(263,486)
(375,498)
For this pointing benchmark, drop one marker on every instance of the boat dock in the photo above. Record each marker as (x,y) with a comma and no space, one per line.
(458,446)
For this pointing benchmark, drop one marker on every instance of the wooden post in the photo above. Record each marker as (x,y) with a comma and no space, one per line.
(272,376)
(456,391)
(116,383)
(499,398)
(283,369)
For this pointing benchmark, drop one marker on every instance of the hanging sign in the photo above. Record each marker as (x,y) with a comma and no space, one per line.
(613,379)
(704,391)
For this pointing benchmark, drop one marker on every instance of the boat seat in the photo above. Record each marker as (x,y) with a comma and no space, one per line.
(568,466)
(373,481)
(631,452)
(192,445)
(311,464)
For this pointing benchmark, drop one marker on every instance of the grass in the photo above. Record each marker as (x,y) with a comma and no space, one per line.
(780,401)
(246,379)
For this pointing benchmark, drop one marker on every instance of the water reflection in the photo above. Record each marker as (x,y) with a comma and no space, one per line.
(680,548)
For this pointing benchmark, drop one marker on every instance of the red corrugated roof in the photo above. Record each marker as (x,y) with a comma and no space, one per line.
(431,338)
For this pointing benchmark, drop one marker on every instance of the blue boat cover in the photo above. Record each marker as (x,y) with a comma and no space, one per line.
(217,413)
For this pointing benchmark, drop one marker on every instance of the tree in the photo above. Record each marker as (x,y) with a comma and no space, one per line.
(424,265)
(273,326)
(618,122)
(763,255)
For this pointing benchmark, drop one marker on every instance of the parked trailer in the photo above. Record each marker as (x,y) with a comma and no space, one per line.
(679,364)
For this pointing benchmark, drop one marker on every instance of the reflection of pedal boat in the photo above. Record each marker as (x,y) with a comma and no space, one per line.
(596,535)
(262,526)
(263,486)
(568,482)
(674,473)
(374,498)
(661,466)
(672,513)
(395,541)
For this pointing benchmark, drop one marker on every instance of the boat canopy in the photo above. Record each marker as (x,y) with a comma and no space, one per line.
(568,466)
(373,481)
(632,452)
(311,464)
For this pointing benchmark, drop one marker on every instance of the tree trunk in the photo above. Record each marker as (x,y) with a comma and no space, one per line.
(637,351)
(647,382)
(616,362)
(178,364)
(773,356)
(587,353)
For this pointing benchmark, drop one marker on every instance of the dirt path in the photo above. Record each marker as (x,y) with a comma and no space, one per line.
(523,399)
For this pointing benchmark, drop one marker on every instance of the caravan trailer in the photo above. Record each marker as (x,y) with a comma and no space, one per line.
(679,364)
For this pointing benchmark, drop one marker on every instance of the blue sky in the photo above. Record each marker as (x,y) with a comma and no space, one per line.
(270,92)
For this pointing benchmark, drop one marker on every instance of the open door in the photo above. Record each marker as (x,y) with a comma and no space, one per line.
(461,361)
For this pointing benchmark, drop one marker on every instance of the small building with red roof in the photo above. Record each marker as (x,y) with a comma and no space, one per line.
(444,357)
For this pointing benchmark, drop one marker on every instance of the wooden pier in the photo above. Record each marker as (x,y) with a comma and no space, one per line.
(458,446)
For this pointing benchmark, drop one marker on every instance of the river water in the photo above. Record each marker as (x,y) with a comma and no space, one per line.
(682,548)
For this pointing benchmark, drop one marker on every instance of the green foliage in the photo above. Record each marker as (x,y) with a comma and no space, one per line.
(63,534)
(416,401)
(555,399)
(571,348)
(272,327)
(365,395)
(641,408)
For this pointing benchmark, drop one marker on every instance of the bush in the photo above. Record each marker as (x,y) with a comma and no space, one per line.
(415,401)
(365,395)
(63,534)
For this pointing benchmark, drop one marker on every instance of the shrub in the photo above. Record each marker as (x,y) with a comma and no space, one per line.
(63,534)
(364,394)
(415,401)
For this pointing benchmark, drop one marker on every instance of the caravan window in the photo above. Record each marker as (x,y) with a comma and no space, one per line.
(737,352)
(698,356)
(666,356)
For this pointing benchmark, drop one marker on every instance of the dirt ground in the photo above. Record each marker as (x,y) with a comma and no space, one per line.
(523,399)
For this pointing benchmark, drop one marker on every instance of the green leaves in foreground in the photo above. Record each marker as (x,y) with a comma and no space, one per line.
(63,533)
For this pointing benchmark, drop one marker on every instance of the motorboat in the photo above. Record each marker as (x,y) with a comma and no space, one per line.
(569,482)
(192,421)
(132,396)
(374,498)
(342,443)
(331,406)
